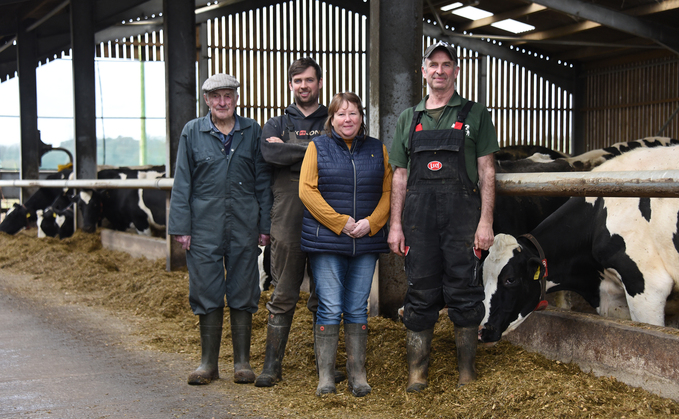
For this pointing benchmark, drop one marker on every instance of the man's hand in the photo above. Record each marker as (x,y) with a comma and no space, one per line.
(185,241)
(264,239)
(361,228)
(484,237)
(349,226)
(396,239)
(274,140)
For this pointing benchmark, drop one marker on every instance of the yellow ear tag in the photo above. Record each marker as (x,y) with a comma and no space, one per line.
(28,215)
(537,275)
(54,214)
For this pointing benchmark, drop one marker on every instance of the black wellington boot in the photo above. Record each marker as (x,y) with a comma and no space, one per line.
(356,342)
(241,333)
(418,348)
(210,339)
(339,375)
(466,339)
(277,332)
(326,337)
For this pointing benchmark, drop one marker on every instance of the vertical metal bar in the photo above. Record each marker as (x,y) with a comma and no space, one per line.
(27,59)
(82,42)
(180,86)
(351,53)
(501,105)
(512,104)
(275,64)
(240,18)
(260,18)
(331,71)
(142,140)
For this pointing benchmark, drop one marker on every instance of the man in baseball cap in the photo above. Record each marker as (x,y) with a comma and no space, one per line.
(442,153)
(220,212)
(440,45)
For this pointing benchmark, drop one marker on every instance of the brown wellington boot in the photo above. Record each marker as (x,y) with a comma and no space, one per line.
(418,348)
(241,333)
(210,340)
(466,339)
(277,332)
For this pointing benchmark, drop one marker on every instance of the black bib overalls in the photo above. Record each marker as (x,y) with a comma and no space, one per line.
(440,216)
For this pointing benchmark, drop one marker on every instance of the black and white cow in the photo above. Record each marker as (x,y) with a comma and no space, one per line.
(518,152)
(19,216)
(519,214)
(57,220)
(591,159)
(143,209)
(545,160)
(620,254)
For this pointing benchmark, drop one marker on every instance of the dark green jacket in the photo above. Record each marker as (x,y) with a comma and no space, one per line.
(220,200)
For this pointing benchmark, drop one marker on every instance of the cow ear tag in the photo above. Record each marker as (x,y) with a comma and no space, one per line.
(537,275)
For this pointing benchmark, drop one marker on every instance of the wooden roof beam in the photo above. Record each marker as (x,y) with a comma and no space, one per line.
(663,35)
(647,9)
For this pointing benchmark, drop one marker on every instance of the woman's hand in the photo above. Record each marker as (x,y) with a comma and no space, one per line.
(349,227)
(361,228)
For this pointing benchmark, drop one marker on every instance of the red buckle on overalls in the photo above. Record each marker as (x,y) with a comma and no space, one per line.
(458,125)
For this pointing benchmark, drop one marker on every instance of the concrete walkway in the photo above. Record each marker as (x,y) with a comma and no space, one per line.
(57,361)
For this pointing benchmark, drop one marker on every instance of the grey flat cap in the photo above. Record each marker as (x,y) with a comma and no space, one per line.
(220,81)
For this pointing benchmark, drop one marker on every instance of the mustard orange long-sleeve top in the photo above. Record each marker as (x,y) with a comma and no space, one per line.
(323,212)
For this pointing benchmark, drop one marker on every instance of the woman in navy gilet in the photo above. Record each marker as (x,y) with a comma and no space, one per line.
(345,185)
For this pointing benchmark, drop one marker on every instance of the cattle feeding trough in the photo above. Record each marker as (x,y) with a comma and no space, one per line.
(620,254)
(132,190)
(127,198)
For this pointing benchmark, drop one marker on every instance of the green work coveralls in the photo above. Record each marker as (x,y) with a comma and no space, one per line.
(223,201)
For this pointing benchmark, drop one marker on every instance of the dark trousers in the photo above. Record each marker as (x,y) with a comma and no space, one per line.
(439,230)
(288,262)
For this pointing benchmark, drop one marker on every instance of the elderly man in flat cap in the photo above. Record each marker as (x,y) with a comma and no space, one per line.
(219,212)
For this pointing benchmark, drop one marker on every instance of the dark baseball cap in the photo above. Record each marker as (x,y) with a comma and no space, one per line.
(443,45)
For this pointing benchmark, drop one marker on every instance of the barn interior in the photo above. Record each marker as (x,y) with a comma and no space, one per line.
(571,75)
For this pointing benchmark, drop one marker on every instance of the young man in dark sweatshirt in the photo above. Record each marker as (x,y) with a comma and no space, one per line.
(284,143)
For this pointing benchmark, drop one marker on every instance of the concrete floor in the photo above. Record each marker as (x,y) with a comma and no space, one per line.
(67,361)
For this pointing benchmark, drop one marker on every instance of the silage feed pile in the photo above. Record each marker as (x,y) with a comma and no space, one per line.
(513,383)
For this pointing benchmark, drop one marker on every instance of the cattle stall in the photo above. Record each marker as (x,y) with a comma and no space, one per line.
(634,353)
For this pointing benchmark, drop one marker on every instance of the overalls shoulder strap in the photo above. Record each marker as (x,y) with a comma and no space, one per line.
(462,115)
(417,116)
(288,127)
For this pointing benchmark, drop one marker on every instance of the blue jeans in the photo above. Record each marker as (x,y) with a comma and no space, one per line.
(343,286)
